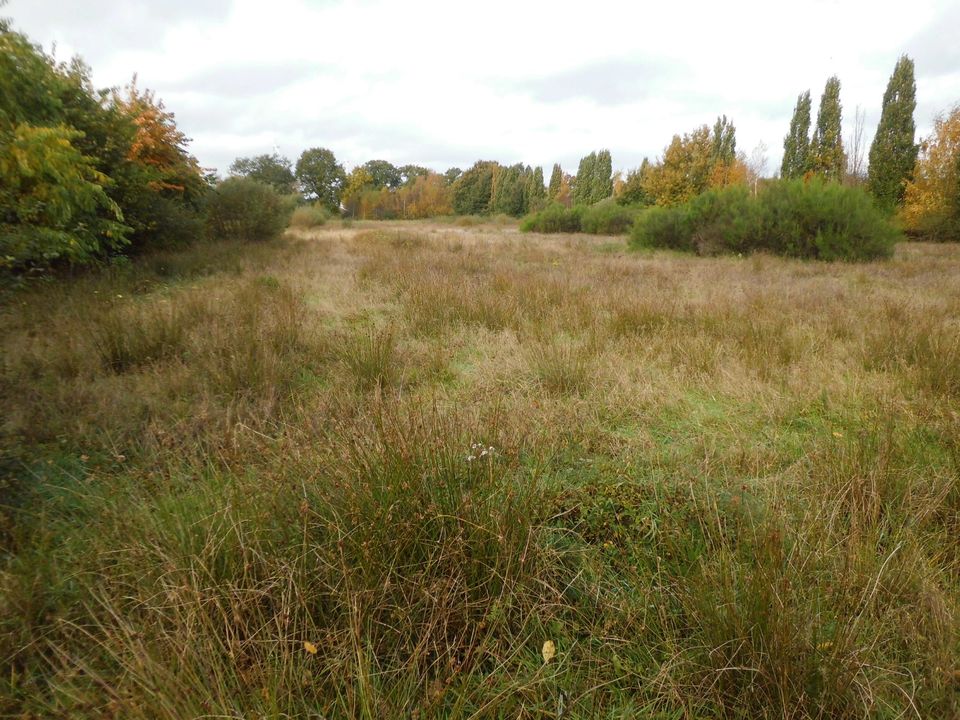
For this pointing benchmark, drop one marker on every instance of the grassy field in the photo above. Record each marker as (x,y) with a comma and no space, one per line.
(368,471)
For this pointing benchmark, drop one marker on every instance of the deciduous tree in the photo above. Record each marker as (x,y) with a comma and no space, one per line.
(508,190)
(855,174)
(383,174)
(452,174)
(584,181)
(273,170)
(427,196)
(684,170)
(77,160)
(602,177)
(724,141)
(472,190)
(321,176)
(536,192)
(796,145)
(893,152)
(53,202)
(932,197)
(358,181)
(556,180)
(827,158)
(409,173)
(757,165)
(633,191)
(158,183)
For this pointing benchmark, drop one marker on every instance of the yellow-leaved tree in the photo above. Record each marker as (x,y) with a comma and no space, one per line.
(694,163)
(358,182)
(931,204)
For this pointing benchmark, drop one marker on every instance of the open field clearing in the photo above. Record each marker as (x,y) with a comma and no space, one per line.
(369,470)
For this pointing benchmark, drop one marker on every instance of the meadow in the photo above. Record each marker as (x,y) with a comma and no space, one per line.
(430,470)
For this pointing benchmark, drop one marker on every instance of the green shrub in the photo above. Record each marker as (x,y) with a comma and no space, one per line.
(825,221)
(663,228)
(607,218)
(554,218)
(161,222)
(727,220)
(246,209)
(309,216)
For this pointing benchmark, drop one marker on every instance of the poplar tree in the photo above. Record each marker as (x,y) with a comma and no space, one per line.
(535,190)
(724,141)
(556,181)
(508,190)
(583,186)
(893,153)
(602,186)
(826,149)
(796,145)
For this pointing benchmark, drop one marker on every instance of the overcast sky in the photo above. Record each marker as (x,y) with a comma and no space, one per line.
(443,83)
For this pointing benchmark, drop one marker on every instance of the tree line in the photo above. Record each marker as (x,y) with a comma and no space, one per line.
(86,173)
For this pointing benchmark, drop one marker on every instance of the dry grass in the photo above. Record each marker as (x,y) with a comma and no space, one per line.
(723,487)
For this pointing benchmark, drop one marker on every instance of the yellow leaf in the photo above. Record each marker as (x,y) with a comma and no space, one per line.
(309,647)
(549,651)
(837,434)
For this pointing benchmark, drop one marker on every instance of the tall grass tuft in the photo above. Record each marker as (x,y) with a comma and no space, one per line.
(371,356)
(563,366)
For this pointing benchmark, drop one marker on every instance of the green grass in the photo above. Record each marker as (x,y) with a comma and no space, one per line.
(722,488)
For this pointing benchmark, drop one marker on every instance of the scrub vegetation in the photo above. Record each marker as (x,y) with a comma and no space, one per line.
(422,470)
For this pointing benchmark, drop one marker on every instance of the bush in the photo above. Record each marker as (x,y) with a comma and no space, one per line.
(727,220)
(161,222)
(607,218)
(825,221)
(309,216)
(663,228)
(246,209)
(554,218)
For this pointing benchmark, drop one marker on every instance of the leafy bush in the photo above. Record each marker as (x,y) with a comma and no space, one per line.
(86,174)
(246,209)
(309,216)
(663,228)
(727,220)
(554,218)
(161,222)
(825,221)
(607,218)
(604,218)
(53,203)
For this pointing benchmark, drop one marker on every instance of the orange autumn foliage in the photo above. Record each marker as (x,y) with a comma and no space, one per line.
(158,145)
(724,174)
